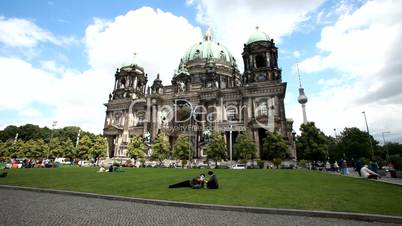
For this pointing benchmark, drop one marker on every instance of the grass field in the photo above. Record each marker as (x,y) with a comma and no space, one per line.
(298,189)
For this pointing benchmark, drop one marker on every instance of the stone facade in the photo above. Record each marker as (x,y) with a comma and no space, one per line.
(207,93)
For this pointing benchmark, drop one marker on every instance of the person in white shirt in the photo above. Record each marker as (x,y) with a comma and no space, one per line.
(367,173)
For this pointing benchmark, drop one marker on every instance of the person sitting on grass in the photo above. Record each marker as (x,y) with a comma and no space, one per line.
(196,182)
(212,183)
(367,173)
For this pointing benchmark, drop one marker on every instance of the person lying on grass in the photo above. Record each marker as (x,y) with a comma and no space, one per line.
(196,182)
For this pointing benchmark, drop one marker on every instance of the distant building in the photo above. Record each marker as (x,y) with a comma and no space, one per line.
(207,93)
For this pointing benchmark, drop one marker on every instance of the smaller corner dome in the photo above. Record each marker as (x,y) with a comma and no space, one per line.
(258,36)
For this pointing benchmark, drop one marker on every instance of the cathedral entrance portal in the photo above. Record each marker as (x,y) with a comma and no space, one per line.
(262,134)
(111,146)
(234,138)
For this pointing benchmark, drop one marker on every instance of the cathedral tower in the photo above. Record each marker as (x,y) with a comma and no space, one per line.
(260,56)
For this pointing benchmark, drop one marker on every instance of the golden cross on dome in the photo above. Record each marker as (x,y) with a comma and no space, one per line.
(208,34)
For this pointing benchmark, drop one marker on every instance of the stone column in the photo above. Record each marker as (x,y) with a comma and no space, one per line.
(257,141)
(135,83)
(249,109)
(222,115)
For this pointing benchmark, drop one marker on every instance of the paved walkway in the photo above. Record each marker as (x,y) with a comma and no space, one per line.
(33,208)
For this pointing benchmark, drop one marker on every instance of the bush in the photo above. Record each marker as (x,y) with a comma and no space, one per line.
(396,160)
(183,162)
(142,163)
(302,163)
(277,162)
(260,164)
(222,167)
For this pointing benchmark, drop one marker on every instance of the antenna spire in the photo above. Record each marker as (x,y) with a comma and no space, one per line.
(298,73)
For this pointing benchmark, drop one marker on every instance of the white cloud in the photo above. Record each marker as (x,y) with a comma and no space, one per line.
(234,20)
(159,38)
(16,32)
(76,98)
(364,48)
(30,113)
(296,54)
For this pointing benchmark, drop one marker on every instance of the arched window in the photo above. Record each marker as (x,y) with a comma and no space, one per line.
(262,108)
(222,55)
(123,83)
(231,112)
(196,54)
(260,61)
(141,117)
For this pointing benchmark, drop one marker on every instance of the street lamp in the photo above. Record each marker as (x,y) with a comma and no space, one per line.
(51,137)
(368,133)
(294,144)
(383,139)
(335,133)
(189,145)
(230,144)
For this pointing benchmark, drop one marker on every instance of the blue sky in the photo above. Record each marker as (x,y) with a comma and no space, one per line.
(62,55)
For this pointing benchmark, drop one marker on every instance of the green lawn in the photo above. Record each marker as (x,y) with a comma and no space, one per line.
(298,189)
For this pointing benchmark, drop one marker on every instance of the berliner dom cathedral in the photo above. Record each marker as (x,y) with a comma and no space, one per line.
(207,93)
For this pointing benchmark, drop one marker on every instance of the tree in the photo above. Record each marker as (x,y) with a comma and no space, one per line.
(181,147)
(245,147)
(312,144)
(68,132)
(161,148)
(5,149)
(393,149)
(136,148)
(355,144)
(9,133)
(85,144)
(216,149)
(334,153)
(98,149)
(36,148)
(68,149)
(17,149)
(275,147)
(55,148)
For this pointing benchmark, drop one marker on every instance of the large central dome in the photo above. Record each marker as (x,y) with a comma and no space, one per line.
(207,64)
(208,49)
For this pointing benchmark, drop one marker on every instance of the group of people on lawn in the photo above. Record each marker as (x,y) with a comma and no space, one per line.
(199,182)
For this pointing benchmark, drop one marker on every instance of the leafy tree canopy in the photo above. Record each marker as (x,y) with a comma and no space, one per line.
(216,149)
(355,144)
(275,146)
(136,148)
(182,148)
(245,147)
(161,148)
(312,144)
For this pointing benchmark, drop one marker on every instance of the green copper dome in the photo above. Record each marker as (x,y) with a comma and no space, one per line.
(208,49)
(258,36)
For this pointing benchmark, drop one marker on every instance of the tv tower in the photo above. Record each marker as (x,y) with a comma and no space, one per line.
(302,99)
